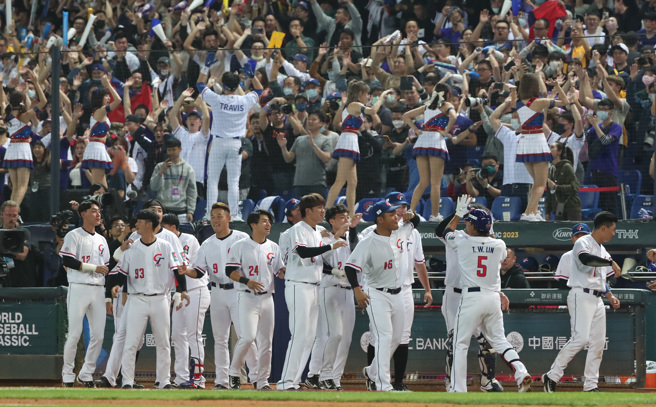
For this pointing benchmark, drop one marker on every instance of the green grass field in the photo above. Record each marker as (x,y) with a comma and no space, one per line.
(508,398)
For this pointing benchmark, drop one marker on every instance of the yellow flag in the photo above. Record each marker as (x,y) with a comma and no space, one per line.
(276,39)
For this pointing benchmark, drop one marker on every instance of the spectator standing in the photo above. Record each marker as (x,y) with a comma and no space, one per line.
(272,121)
(347,16)
(39,191)
(562,185)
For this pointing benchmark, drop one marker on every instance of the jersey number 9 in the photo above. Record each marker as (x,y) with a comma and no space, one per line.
(481,271)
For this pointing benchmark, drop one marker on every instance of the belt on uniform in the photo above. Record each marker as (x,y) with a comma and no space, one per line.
(254,293)
(147,295)
(392,291)
(468,289)
(457,290)
(303,282)
(228,286)
(343,286)
(593,292)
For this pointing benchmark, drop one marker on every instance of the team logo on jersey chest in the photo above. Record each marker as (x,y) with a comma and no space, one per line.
(270,258)
(101,249)
(158,259)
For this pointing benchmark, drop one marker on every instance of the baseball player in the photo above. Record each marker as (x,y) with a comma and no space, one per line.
(590,265)
(413,255)
(187,325)
(293,215)
(450,301)
(380,259)
(85,255)
(224,306)
(336,305)
(565,264)
(480,257)
(109,378)
(303,275)
(149,267)
(253,264)
(230,112)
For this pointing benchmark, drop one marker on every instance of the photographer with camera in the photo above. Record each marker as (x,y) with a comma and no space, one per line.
(485,181)
(20,272)
(54,273)
(275,127)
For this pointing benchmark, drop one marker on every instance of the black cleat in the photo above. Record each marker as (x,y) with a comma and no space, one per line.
(339,388)
(187,386)
(127,386)
(219,387)
(86,383)
(136,385)
(156,385)
(371,386)
(595,390)
(312,382)
(235,382)
(328,384)
(266,387)
(103,382)
(69,384)
(401,387)
(170,386)
(549,385)
(493,386)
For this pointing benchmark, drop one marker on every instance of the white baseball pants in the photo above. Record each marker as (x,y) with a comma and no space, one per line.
(113,366)
(224,152)
(588,321)
(187,332)
(84,300)
(409,311)
(256,320)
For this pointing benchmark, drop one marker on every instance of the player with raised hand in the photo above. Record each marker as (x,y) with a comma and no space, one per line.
(379,258)
(85,255)
(224,305)
(254,263)
(149,268)
(590,266)
(480,257)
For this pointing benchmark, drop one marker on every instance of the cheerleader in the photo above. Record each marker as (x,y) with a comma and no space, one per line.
(95,156)
(19,119)
(532,149)
(350,118)
(430,148)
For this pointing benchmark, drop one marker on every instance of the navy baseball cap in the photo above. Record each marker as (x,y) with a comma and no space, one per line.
(300,57)
(291,205)
(196,113)
(550,263)
(396,198)
(98,67)
(383,207)
(580,228)
(334,95)
(312,81)
(302,4)
(529,264)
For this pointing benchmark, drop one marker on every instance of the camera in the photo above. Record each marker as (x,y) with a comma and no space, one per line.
(473,102)
(286,109)
(105,199)
(11,242)
(485,171)
(334,105)
(60,222)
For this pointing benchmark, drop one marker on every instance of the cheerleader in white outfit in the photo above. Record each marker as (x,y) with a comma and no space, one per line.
(430,148)
(349,118)
(19,119)
(95,155)
(532,149)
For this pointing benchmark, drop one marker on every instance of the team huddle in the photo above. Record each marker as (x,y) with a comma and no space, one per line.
(166,278)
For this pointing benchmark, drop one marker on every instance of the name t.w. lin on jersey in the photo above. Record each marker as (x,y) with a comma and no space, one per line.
(482,249)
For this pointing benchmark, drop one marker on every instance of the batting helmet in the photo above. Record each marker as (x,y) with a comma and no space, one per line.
(481,219)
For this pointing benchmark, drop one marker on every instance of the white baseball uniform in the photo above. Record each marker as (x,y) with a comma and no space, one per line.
(480,260)
(382,261)
(150,271)
(564,266)
(86,296)
(302,278)
(259,262)
(187,324)
(115,358)
(336,318)
(224,303)
(587,312)
(230,113)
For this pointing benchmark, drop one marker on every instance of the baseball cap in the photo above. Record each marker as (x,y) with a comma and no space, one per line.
(164,60)
(300,57)
(396,198)
(153,202)
(621,46)
(383,207)
(196,113)
(334,95)
(302,4)
(291,205)
(550,264)
(580,228)
(134,119)
(375,85)
(98,67)
(529,264)
(313,81)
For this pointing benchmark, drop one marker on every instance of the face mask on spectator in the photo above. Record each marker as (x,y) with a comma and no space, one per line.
(496,10)
(257,57)
(554,65)
(514,123)
(522,21)
(602,114)
(611,25)
(312,93)
(287,91)
(164,72)
(389,99)
(648,80)
(322,129)
(31,93)
(398,123)
(301,107)
(374,100)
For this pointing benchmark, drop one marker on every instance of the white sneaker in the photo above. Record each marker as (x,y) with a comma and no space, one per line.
(236,218)
(438,218)
(537,217)
(527,218)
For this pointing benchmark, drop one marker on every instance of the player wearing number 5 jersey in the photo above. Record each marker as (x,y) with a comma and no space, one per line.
(479,257)
(253,264)
(590,265)
(382,263)
(211,259)
(149,267)
(85,255)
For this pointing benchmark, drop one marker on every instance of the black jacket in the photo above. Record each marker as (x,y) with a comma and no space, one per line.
(514,278)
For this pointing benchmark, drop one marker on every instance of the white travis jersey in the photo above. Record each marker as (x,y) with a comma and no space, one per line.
(480,259)
(150,269)
(381,259)
(336,259)
(167,236)
(190,247)
(259,262)
(87,248)
(307,270)
(587,276)
(213,256)
(194,149)
(230,112)
(564,266)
